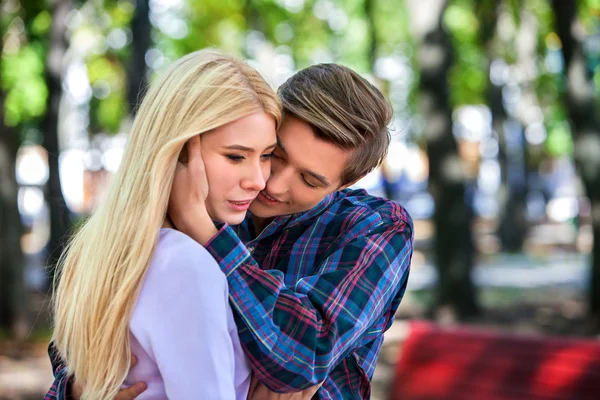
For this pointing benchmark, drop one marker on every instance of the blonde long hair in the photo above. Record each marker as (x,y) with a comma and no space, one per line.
(102,270)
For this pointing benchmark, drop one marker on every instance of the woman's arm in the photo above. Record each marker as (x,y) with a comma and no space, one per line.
(184,313)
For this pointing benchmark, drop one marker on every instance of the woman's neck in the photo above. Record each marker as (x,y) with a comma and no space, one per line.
(167,223)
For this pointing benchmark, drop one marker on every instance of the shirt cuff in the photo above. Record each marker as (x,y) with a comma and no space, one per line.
(68,391)
(227,249)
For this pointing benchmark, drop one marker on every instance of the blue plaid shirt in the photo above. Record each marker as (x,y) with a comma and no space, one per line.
(314,292)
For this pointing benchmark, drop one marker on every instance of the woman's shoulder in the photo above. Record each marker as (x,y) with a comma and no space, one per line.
(182,280)
(177,257)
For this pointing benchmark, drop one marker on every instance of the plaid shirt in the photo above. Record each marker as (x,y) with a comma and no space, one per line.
(314,292)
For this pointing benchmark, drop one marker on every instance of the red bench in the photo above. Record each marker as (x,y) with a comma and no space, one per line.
(470,364)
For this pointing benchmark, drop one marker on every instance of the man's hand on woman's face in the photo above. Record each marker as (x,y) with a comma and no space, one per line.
(187,202)
(129,393)
(190,185)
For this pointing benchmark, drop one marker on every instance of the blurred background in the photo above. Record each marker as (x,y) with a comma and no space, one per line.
(495,143)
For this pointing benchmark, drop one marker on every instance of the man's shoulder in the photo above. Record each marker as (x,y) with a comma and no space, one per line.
(356,210)
(358,205)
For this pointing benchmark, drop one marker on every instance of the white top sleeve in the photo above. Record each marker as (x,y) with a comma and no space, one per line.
(184,310)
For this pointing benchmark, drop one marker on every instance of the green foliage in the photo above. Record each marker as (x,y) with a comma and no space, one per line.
(543,13)
(460,19)
(24,29)
(301,29)
(468,77)
(559,141)
(392,28)
(105,62)
(515,10)
(120,13)
(24,84)
(111,112)
(310,36)
(41,23)
(210,23)
(107,78)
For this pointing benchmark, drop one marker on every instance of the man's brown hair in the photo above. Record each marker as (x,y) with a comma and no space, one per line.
(344,109)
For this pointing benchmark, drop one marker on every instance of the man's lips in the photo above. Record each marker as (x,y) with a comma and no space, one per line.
(265,198)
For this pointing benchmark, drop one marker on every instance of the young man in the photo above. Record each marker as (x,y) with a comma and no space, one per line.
(317,271)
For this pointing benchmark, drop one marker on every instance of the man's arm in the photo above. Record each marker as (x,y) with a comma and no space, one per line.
(61,385)
(295,336)
(64,387)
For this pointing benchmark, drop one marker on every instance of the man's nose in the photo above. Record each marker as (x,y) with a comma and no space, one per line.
(279,180)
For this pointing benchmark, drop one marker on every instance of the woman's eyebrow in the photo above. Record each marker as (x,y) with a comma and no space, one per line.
(238,147)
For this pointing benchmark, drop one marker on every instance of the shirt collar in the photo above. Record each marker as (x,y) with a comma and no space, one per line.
(294,219)
(246,229)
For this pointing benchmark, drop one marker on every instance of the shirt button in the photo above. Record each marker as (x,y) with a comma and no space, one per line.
(251,249)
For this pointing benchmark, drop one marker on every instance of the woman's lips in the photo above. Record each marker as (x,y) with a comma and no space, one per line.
(240,205)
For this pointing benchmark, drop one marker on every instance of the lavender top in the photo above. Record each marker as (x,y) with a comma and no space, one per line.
(182,328)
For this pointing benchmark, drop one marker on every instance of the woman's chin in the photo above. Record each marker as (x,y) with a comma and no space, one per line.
(233,219)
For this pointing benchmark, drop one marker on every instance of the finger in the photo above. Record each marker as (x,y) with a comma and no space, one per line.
(77,390)
(132,392)
(194,148)
(133,361)
(196,163)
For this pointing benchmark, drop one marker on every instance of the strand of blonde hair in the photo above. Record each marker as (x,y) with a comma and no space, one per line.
(101,272)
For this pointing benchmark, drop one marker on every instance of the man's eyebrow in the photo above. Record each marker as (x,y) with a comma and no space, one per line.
(318,177)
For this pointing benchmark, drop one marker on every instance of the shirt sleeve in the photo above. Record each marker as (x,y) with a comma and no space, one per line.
(185,310)
(60,389)
(294,336)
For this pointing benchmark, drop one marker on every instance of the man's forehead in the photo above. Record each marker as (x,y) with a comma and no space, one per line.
(315,156)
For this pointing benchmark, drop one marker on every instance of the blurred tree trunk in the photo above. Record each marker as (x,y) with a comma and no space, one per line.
(512,222)
(369,10)
(137,71)
(254,23)
(454,249)
(60,222)
(13,310)
(513,226)
(581,108)
(252,16)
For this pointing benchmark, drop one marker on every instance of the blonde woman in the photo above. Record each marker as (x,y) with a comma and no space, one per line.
(131,284)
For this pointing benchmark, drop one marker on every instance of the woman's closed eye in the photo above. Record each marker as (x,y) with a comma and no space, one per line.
(267,157)
(235,157)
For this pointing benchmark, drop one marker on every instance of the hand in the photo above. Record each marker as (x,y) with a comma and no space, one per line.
(258,391)
(125,394)
(187,203)
(131,392)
